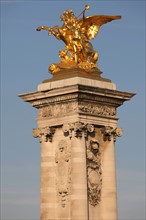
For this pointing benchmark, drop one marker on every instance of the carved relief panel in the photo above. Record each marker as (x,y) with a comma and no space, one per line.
(63,162)
(97,109)
(59,109)
(94,172)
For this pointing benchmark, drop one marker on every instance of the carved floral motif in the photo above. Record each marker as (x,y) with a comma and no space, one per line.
(63,161)
(79,128)
(94,172)
(108,132)
(44,134)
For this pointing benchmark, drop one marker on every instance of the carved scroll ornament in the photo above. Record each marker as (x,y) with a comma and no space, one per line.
(44,134)
(109,132)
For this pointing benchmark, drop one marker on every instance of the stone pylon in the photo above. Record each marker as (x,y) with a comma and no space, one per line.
(77,129)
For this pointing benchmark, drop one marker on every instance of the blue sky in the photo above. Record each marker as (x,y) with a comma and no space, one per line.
(25,57)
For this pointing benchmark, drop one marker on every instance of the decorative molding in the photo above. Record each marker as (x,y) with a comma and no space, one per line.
(57,99)
(94,172)
(63,161)
(44,134)
(98,97)
(108,132)
(79,129)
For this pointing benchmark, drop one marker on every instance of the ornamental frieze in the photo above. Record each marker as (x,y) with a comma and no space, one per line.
(59,110)
(94,109)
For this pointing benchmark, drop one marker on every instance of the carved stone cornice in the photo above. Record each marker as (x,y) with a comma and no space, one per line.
(109,132)
(57,99)
(77,92)
(78,128)
(44,134)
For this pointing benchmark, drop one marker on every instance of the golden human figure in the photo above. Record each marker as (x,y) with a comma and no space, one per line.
(76,33)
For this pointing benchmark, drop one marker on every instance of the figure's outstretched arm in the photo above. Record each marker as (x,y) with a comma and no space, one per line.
(51,30)
(43,28)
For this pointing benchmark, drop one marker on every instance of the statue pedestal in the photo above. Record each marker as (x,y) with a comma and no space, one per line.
(77,128)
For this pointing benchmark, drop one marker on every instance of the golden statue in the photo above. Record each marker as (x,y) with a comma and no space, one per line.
(76,33)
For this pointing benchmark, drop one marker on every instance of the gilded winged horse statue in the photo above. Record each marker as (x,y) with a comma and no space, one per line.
(76,33)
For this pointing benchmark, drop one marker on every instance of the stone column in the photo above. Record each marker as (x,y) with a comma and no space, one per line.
(79,179)
(77,128)
(48,199)
(109,196)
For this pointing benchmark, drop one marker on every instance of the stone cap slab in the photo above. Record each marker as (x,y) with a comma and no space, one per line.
(75,81)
